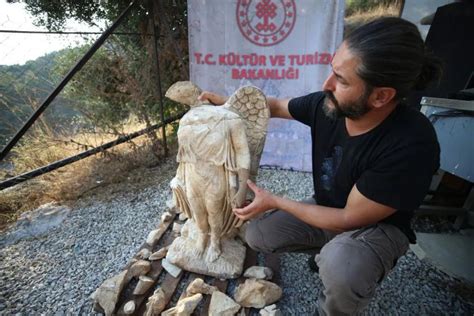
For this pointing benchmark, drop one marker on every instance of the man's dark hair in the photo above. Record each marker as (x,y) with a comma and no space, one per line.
(393,54)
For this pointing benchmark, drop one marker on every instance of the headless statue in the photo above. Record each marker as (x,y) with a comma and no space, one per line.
(219,149)
(214,163)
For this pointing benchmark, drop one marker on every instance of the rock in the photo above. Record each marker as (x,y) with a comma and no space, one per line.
(144,253)
(153,236)
(184,307)
(166,217)
(160,254)
(257,293)
(182,216)
(107,295)
(270,310)
(222,305)
(171,268)
(144,283)
(129,307)
(141,267)
(156,303)
(199,286)
(258,272)
(36,222)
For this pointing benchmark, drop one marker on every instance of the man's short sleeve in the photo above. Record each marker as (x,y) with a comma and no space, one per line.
(400,177)
(304,109)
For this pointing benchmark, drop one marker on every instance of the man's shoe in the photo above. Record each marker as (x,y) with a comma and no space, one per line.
(312,264)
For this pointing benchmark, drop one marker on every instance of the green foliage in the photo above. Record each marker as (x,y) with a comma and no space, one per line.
(22,90)
(97,90)
(353,6)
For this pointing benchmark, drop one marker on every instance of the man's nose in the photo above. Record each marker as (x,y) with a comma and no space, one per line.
(329,83)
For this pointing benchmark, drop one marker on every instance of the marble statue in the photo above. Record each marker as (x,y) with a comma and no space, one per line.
(219,149)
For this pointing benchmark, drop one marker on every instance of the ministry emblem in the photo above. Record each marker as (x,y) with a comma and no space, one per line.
(266,22)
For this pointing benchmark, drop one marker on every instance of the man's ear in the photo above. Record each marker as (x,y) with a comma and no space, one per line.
(381,96)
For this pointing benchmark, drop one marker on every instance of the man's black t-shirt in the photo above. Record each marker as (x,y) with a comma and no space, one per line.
(392,164)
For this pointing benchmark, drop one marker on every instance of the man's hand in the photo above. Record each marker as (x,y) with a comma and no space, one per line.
(263,201)
(213,98)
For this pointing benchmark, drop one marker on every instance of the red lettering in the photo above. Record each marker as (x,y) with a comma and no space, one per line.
(208,60)
(198,57)
(325,58)
(277,60)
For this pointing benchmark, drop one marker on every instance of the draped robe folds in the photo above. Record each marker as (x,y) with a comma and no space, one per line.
(212,149)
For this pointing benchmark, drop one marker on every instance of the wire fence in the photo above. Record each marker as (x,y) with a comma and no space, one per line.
(116,93)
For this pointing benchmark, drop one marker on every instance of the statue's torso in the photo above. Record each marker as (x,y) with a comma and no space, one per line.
(204,135)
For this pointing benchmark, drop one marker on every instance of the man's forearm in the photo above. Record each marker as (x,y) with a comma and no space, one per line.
(278,108)
(315,215)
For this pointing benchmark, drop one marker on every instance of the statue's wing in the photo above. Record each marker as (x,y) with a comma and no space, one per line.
(250,103)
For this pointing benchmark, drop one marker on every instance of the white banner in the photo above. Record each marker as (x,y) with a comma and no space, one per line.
(284,47)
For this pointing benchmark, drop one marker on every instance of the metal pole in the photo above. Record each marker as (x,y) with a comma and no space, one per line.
(58,164)
(157,61)
(65,80)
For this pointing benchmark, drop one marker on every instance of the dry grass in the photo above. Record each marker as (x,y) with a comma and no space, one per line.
(360,17)
(68,183)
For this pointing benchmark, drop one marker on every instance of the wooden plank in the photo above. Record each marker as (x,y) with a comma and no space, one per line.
(169,285)
(250,260)
(192,276)
(128,295)
(272,261)
(154,273)
(221,286)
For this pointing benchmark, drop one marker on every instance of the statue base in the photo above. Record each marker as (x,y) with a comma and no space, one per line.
(184,254)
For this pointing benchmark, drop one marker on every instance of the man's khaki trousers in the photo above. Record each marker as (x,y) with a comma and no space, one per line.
(351,264)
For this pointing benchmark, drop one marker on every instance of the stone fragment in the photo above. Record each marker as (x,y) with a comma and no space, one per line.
(171,268)
(222,305)
(177,228)
(166,217)
(129,307)
(184,307)
(257,293)
(199,286)
(107,295)
(160,254)
(144,283)
(156,303)
(270,310)
(141,267)
(144,253)
(36,223)
(258,272)
(153,236)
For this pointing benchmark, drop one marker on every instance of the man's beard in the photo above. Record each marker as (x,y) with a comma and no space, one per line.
(352,110)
